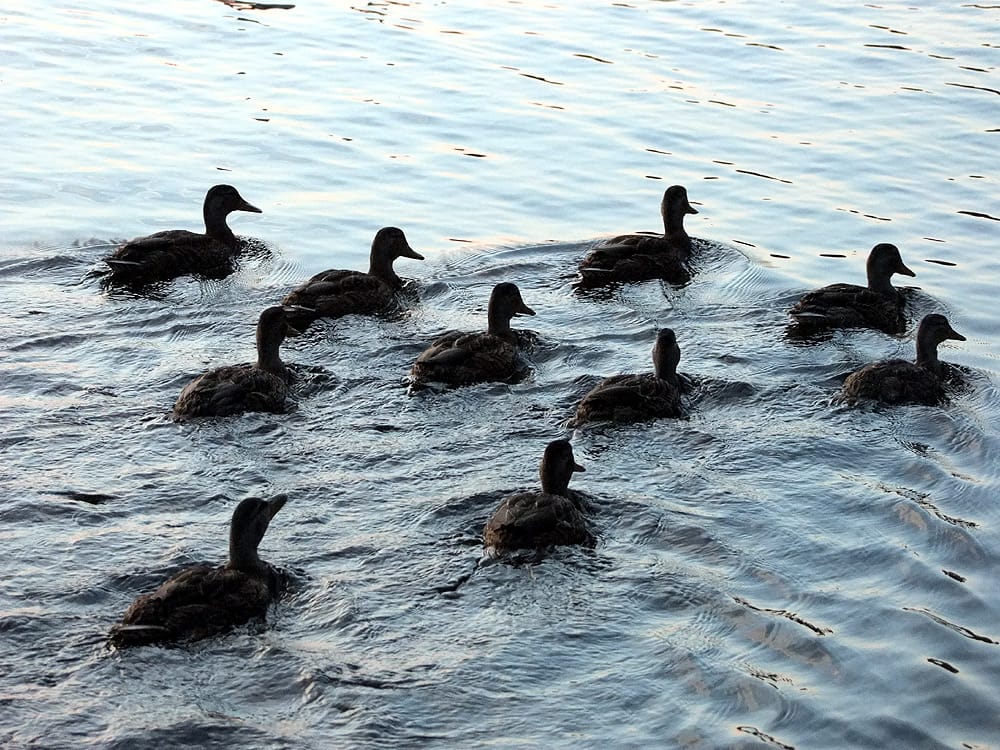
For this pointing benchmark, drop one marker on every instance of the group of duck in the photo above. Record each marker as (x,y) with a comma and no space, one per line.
(203,600)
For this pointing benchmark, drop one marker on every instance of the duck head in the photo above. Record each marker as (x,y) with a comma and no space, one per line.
(220,201)
(272,327)
(666,355)
(675,202)
(224,199)
(392,239)
(250,521)
(505,303)
(557,467)
(883,261)
(389,243)
(933,330)
(673,207)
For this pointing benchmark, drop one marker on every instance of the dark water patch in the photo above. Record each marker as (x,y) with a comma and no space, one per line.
(943,664)
(542,79)
(976,88)
(245,5)
(791,616)
(91,498)
(961,630)
(764,176)
(202,733)
(593,57)
(764,737)
(979,214)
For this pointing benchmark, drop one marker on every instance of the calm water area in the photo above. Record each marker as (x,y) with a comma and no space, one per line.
(776,570)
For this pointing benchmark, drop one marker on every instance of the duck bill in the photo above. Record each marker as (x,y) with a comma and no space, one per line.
(903,269)
(409,252)
(523,309)
(577,467)
(953,334)
(690,209)
(301,325)
(244,206)
(276,503)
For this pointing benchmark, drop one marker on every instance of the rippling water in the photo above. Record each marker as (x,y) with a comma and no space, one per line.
(773,571)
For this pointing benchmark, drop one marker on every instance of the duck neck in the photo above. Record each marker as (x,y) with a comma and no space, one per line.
(242,558)
(498,323)
(881,283)
(665,361)
(217,228)
(673,227)
(927,355)
(552,483)
(269,356)
(381,268)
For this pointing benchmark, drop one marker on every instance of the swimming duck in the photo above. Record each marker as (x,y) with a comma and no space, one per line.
(176,252)
(878,305)
(202,601)
(460,358)
(533,519)
(234,389)
(635,257)
(896,381)
(335,293)
(635,398)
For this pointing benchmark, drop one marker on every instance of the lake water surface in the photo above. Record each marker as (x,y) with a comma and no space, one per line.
(774,571)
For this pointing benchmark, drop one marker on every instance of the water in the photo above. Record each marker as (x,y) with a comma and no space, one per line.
(774,571)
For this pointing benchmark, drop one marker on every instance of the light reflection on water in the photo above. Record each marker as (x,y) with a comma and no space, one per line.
(771,571)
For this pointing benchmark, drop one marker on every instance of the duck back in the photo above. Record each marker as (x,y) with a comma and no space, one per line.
(850,306)
(229,390)
(171,253)
(530,520)
(648,258)
(629,398)
(197,603)
(894,381)
(460,358)
(336,293)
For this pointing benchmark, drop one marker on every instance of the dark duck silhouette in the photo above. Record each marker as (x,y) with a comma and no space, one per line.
(460,358)
(335,293)
(636,257)
(533,519)
(878,305)
(202,601)
(635,398)
(897,381)
(177,252)
(234,389)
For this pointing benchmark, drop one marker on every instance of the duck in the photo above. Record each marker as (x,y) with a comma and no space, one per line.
(461,358)
(234,389)
(636,398)
(636,257)
(176,252)
(897,381)
(535,519)
(202,601)
(879,305)
(335,293)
